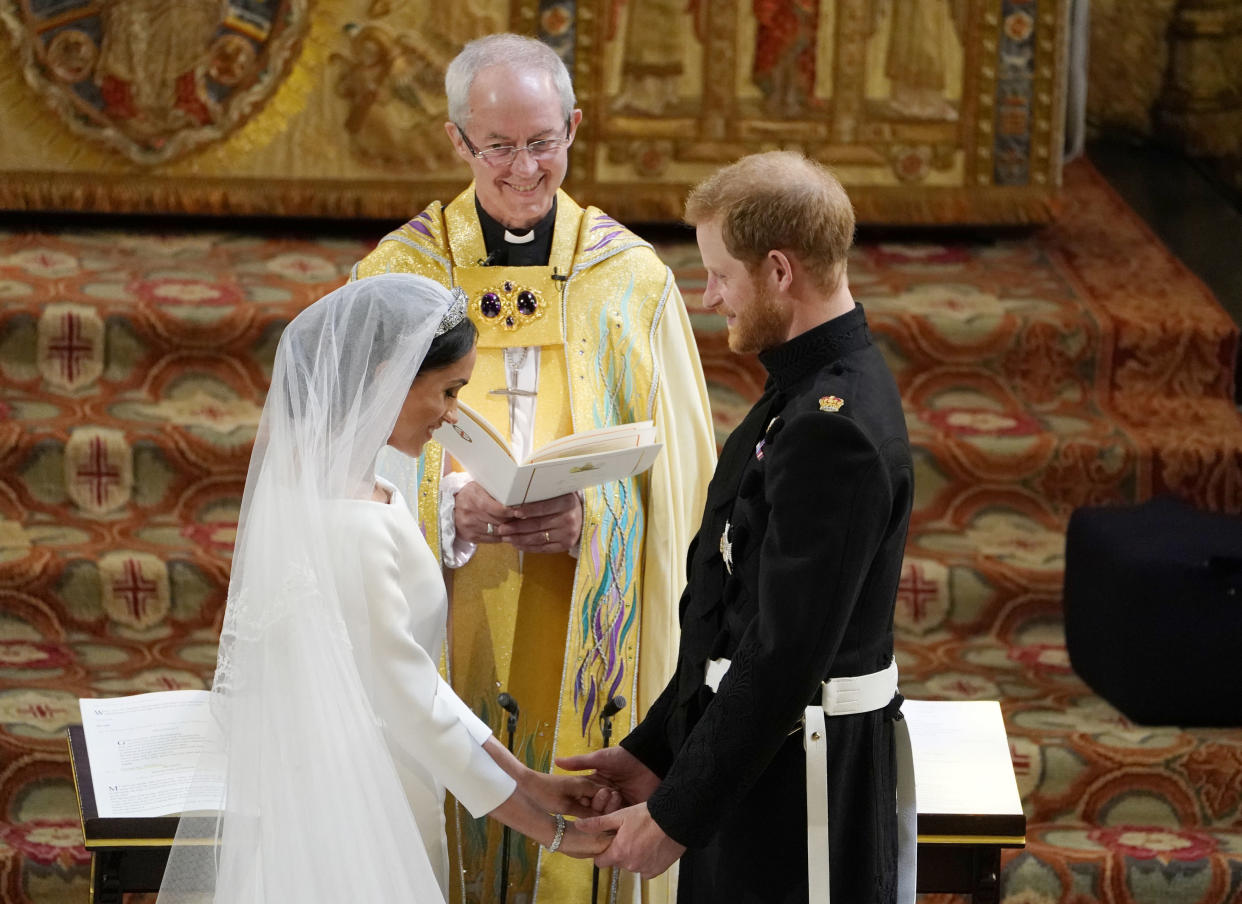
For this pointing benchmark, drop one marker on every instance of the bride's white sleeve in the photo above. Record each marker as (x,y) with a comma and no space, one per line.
(424,720)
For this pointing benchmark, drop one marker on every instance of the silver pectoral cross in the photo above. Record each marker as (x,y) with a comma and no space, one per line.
(514,359)
(511,395)
(726,548)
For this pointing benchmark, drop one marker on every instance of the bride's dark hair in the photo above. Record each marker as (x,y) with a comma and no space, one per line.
(450,347)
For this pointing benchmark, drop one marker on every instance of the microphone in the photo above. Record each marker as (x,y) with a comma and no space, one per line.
(509,705)
(612,707)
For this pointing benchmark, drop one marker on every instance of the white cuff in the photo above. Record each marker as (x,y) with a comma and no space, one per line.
(454,553)
(478,729)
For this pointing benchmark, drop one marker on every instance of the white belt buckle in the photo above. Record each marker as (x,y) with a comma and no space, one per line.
(860,693)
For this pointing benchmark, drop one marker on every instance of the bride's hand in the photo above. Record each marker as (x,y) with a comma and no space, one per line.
(576,843)
(575,795)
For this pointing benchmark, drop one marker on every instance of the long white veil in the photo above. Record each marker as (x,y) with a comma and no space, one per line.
(314,810)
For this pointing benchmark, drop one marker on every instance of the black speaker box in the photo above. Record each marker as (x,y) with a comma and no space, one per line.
(1153,610)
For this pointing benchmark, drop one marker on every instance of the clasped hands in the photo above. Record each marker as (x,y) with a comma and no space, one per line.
(614,823)
(551,525)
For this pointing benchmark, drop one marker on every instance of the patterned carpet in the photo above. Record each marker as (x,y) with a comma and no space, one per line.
(1079,365)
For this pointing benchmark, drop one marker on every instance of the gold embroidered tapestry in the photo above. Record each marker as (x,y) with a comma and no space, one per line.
(930,110)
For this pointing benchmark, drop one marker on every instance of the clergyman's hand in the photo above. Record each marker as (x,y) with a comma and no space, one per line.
(551,525)
(474,508)
(639,844)
(619,768)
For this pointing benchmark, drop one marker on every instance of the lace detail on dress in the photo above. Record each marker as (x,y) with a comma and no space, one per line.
(249,616)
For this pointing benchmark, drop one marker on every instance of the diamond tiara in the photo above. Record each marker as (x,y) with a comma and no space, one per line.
(456,312)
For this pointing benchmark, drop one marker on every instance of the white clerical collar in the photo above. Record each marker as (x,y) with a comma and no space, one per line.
(520,239)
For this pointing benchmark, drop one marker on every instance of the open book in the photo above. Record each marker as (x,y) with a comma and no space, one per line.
(562,466)
(153,754)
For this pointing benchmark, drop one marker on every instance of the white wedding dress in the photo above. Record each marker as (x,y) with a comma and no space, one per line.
(339,734)
(434,738)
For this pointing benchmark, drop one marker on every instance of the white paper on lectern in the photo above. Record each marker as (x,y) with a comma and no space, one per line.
(562,466)
(961,757)
(154,754)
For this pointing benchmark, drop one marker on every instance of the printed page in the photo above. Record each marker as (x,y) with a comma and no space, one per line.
(562,466)
(154,754)
(961,757)
(480,449)
(474,429)
(547,479)
(593,442)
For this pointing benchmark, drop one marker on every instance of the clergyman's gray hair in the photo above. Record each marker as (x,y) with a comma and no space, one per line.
(515,51)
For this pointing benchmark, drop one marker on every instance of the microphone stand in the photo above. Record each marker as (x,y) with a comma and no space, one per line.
(509,705)
(611,708)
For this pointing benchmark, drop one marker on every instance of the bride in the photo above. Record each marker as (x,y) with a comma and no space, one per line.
(341,735)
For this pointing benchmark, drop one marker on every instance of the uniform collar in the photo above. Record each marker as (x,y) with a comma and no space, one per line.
(788,363)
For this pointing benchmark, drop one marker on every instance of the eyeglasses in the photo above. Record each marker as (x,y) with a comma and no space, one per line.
(503,155)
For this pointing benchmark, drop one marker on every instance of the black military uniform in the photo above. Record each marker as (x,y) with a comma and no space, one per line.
(792,576)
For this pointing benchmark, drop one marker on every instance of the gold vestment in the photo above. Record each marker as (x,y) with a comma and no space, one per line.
(563,635)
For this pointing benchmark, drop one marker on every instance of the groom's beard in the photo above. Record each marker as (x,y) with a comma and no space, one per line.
(760,324)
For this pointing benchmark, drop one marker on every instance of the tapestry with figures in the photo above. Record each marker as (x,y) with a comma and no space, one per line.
(930,110)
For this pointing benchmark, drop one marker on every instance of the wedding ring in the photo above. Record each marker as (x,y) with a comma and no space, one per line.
(490,531)
(547,536)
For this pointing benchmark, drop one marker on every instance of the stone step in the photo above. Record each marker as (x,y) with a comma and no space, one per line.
(971,434)
(1063,333)
(1186,446)
(1021,321)
(1049,362)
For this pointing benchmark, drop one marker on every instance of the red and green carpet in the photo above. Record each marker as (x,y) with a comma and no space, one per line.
(1078,365)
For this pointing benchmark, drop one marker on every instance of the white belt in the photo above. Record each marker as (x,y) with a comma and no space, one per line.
(844,697)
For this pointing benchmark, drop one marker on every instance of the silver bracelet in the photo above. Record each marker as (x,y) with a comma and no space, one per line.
(560,834)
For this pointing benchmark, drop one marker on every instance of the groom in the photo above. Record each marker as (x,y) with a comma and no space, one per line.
(792,581)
